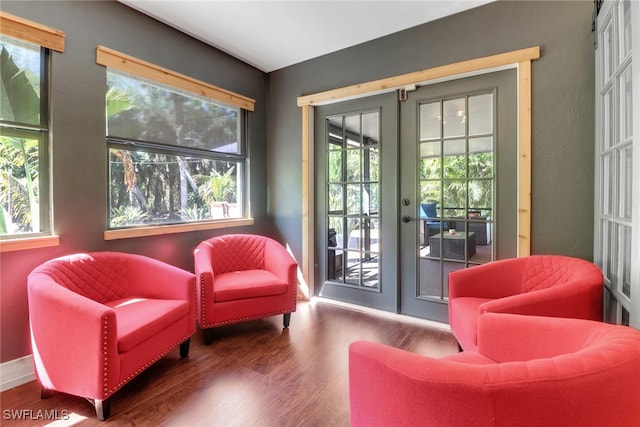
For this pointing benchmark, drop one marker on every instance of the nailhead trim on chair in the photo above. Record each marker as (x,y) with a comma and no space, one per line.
(105,389)
(151,362)
(105,385)
(203,299)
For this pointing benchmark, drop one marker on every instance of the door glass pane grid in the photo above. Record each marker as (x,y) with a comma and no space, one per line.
(604,252)
(608,189)
(626,105)
(625,178)
(608,50)
(616,258)
(612,265)
(624,10)
(353,197)
(625,258)
(615,200)
(608,119)
(456,185)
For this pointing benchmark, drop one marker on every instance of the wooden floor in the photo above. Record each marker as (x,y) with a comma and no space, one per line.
(254,374)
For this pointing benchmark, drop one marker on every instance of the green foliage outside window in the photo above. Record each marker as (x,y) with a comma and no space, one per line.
(187,164)
(20,137)
(459,179)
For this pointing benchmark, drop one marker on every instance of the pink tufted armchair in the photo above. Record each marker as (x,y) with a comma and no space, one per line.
(242,277)
(544,285)
(528,371)
(99,319)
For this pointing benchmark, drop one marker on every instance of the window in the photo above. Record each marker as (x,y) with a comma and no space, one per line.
(175,156)
(25,219)
(23,179)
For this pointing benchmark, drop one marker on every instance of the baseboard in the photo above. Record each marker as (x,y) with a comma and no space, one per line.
(16,372)
(385,314)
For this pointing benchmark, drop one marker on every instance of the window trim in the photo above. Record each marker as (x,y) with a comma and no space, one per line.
(158,230)
(129,64)
(113,59)
(19,28)
(21,243)
(53,39)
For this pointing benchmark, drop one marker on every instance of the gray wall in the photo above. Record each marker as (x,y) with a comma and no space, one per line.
(79,153)
(563,134)
(563,106)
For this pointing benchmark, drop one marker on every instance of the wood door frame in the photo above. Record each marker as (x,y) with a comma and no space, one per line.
(518,59)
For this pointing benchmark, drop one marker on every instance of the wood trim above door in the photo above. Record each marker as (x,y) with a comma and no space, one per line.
(519,59)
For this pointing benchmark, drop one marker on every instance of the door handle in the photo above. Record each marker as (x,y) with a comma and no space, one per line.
(406,218)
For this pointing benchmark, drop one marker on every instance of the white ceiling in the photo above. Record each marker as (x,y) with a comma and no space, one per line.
(271,34)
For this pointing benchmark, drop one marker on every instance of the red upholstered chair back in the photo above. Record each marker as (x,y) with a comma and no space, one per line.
(237,252)
(528,371)
(101,277)
(542,272)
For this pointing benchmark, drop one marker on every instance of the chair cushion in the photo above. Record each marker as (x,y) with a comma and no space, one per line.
(466,319)
(246,284)
(141,318)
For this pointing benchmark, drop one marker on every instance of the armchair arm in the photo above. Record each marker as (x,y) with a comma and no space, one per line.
(531,337)
(496,279)
(69,330)
(571,300)
(278,261)
(393,387)
(204,279)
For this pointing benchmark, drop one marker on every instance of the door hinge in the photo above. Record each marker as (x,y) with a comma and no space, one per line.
(403,93)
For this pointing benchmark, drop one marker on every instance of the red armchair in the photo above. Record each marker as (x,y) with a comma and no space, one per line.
(99,319)
(242,277)
(544,285)
(528,371)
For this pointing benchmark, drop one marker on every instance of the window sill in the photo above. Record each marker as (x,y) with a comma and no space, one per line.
(29,243)
(170,229)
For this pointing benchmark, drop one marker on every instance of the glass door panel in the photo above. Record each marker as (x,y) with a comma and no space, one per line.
(355,147)
(448,167)
(400,216)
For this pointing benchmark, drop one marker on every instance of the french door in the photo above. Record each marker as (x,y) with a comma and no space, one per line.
(458,192)
(411,186)
(617,205)
(356,188)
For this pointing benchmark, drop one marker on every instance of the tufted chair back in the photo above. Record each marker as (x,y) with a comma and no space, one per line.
(237,252)
(101,277)
(542,272)
(526,371)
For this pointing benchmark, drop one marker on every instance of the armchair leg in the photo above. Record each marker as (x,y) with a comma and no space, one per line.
(184,348)
(208,336)
(286,319)
(45,393)
(103,408)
